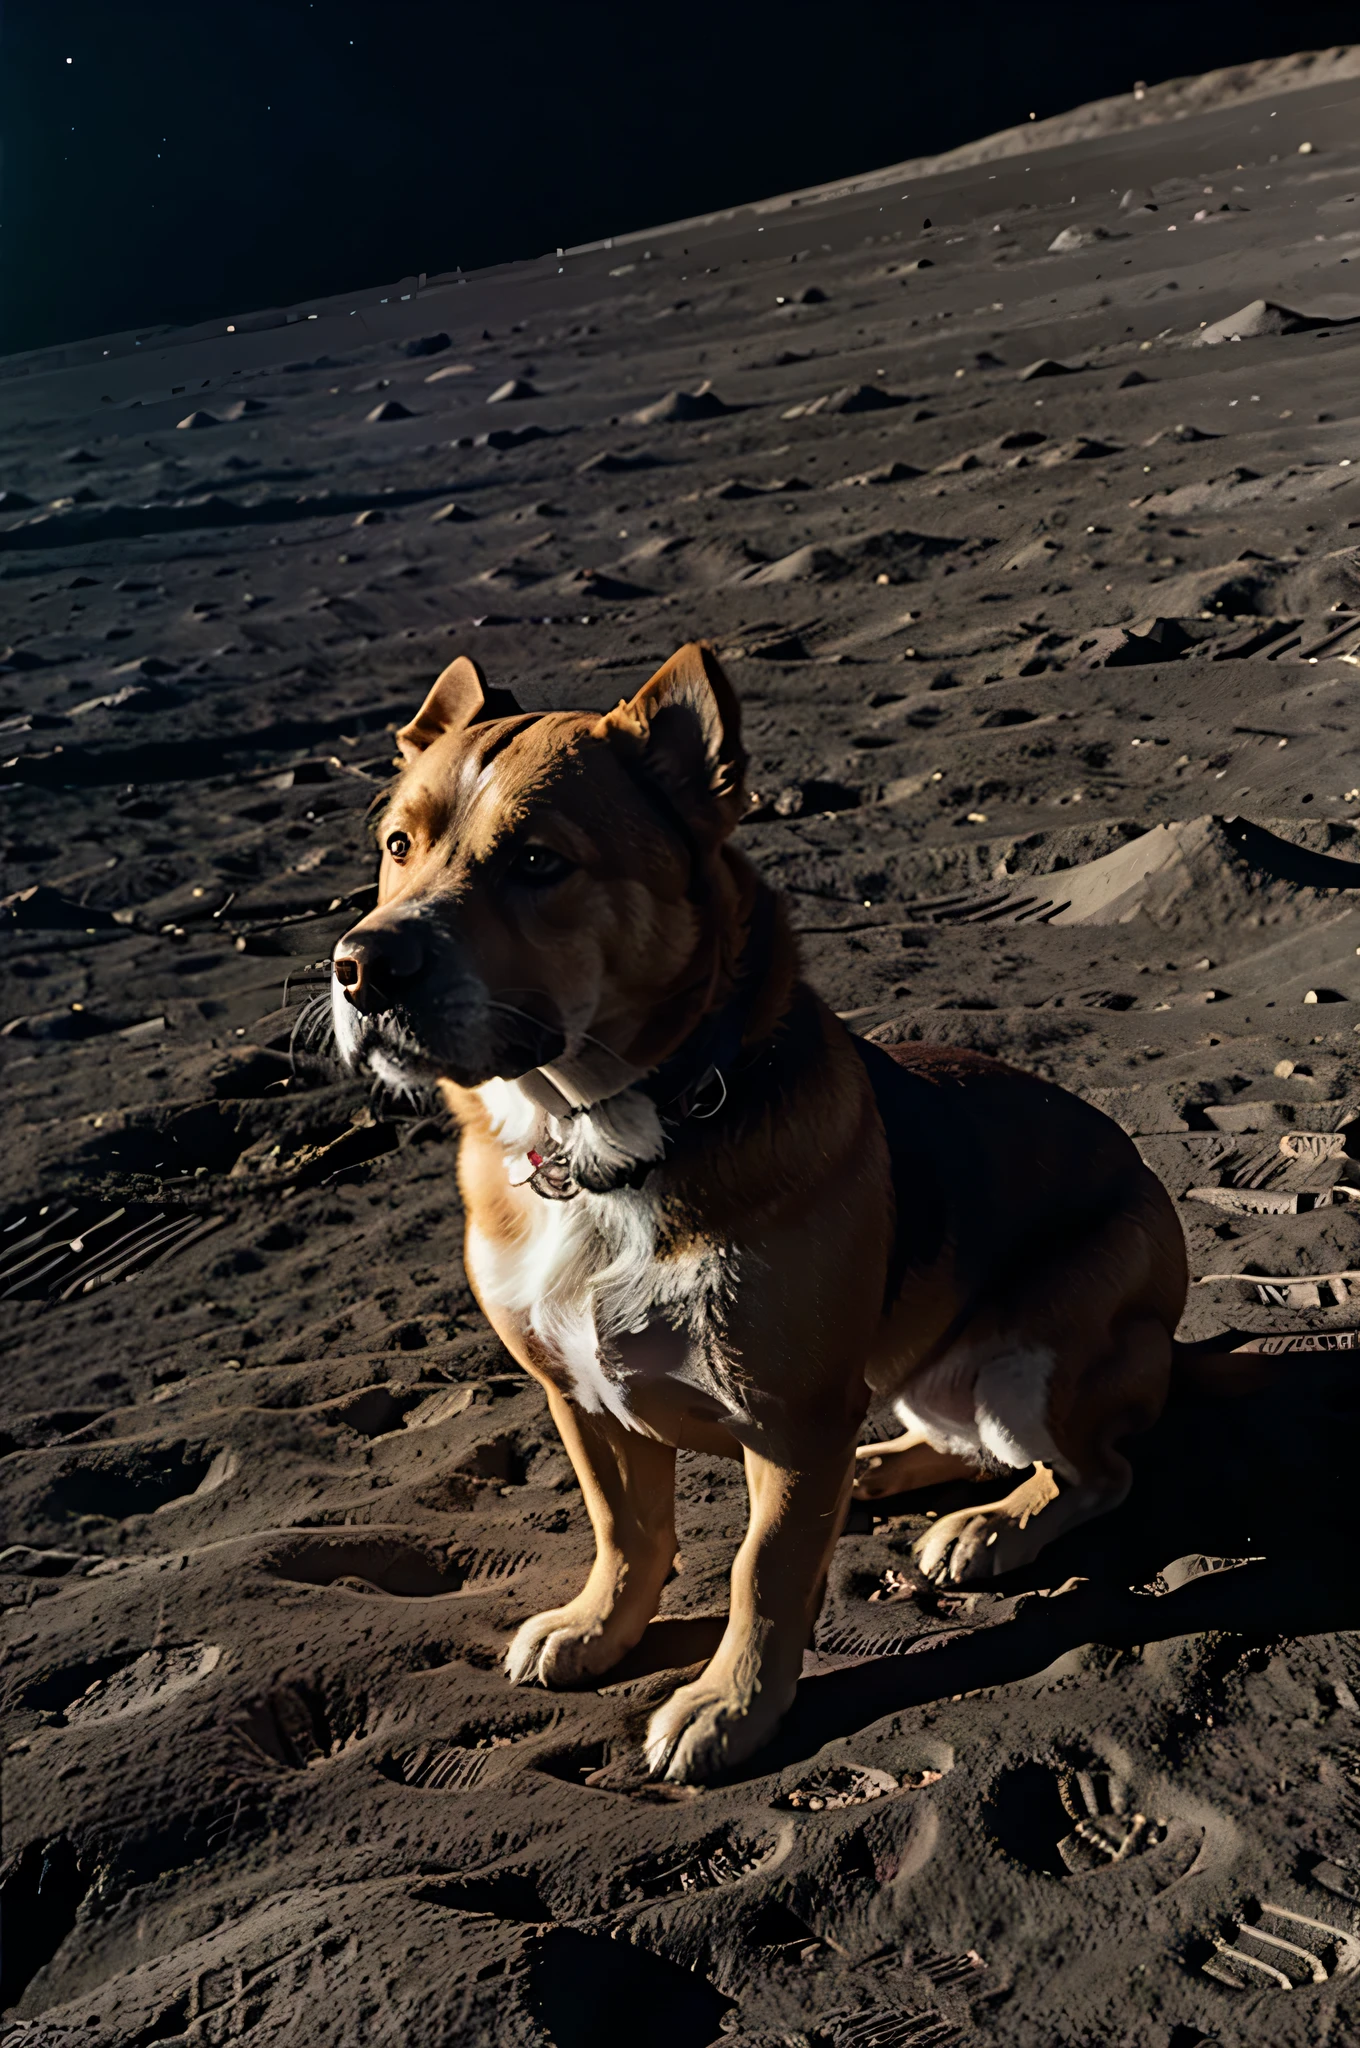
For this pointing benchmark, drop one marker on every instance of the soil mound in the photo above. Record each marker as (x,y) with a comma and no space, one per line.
(1222,871)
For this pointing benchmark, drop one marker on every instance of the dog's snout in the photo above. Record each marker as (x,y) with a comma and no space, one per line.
(377,966)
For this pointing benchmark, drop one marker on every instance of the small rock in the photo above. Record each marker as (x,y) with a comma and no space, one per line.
(611,464)
(244,409)
(453,513)
(1263,317)
(1325,995)
(1131,379)
(1137,200)
(390,409)
(426,345)
(1180,433)
(150,665)
(801,800)
(1068,239)
(786,647)
(1283,1069)
(1081,448)
(450,370)
(1046,367)
(509,437)
(16,501)
(850,398)
(142,1034)
(80,455)
(197,419)
(371,516)
(597,583)
(132,696)
(513,387)
(886,473)
(703,404)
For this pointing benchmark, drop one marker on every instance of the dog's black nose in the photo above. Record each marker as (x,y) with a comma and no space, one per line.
(378,965)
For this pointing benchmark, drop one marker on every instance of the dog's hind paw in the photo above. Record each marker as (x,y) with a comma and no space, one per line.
(966,1549)
(974,1545)
(903,1464)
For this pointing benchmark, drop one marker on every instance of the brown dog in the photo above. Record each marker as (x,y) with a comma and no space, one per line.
(704,1216)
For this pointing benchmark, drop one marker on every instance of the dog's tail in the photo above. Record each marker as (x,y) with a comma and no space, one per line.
(1231,1364)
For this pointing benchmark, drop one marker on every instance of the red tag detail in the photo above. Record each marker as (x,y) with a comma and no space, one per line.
(535,1160)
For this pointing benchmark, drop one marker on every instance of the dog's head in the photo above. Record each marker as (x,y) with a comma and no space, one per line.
(552,884)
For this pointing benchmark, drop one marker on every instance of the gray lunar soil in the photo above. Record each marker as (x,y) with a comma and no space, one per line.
(1022,499)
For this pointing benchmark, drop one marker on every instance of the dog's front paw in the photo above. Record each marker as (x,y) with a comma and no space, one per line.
(703,1729)
(560,1648)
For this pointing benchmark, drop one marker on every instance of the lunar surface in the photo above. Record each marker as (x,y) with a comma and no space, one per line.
(1021,496)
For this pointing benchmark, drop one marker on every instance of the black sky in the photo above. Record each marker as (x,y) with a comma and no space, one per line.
(196,159)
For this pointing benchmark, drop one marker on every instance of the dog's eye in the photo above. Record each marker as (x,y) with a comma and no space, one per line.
(398,845)
(539,866)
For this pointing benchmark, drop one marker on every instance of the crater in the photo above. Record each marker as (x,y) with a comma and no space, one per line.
(135,1479)
(39,1900)
(305,1722)
(389,1406)
(584,1990)
(147,1681)
(1078,1818)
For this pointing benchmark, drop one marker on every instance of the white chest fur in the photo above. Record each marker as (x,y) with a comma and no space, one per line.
(587,1275)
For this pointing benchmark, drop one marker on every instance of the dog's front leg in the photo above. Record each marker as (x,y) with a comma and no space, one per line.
(628,1481)
(778,1580)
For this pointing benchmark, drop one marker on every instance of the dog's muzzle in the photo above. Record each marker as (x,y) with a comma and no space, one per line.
(407,1007)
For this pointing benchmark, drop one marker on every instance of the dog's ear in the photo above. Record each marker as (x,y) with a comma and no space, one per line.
(461,696)
(686,724)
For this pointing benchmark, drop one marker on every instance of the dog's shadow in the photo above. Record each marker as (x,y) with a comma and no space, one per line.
(1261,1487)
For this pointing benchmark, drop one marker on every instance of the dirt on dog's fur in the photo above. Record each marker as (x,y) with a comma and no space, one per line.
(1048,688)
